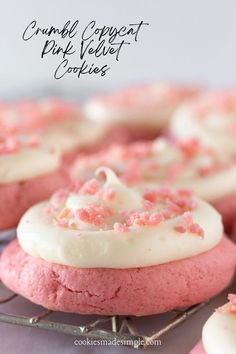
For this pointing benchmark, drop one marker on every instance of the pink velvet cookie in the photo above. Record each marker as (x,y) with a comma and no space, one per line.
(210,117)
(30,171)
(218,333)
(186,163)
(67,129)
(60,124)
(139,112)
(21,117)
(105,248)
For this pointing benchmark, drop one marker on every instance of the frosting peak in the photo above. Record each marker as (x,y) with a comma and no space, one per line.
(105,206)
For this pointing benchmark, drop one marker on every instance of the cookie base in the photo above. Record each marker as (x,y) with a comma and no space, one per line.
(226,206)
(16,198)
(134,291)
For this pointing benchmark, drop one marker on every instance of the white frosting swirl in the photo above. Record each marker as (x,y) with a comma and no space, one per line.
(27,162)
(218,335)
(71,134)
(148,105)
(211,118)
(203,170)
(60,124)
(87,245)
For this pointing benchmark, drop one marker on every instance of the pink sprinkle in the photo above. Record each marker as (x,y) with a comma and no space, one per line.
(140,222)
(167,213)
(205,171)
(120,227)
(60,223)
(197,230)
(90,187)
(151,196)
(10,145)
(147,205)
(156,218)
(172,207)
(93,214)
(180,229)
(164,191)
(187,218)
(106,194)
(76,185)
(232,129)
(33,142)
(190,146)
(232,300)
(60,196)
(185,192)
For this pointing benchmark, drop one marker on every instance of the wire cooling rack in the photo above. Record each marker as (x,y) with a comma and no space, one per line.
(119,328)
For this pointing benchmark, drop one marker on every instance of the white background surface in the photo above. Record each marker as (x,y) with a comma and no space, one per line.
(187,40)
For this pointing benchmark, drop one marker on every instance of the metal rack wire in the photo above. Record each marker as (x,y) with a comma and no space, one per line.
(119,328)
(122,329)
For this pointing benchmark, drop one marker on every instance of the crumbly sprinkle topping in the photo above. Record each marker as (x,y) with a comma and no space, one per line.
(220,102)
(57,110)
(162,160)
(12,144)
(33,116)
(20,117)
(103,206)
(232,303)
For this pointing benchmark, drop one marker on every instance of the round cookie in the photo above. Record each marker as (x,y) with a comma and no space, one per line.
(30,172)
(186,163)
(210,117)
(105,248)
(60,124)
(66,128)
(218,333)
(138,112)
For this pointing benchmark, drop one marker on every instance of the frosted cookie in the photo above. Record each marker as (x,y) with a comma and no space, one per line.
(183,164)
(211,118)
(218,333)
(67,129)
(30,171)
(60,124)
(138,112)
(105,248)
